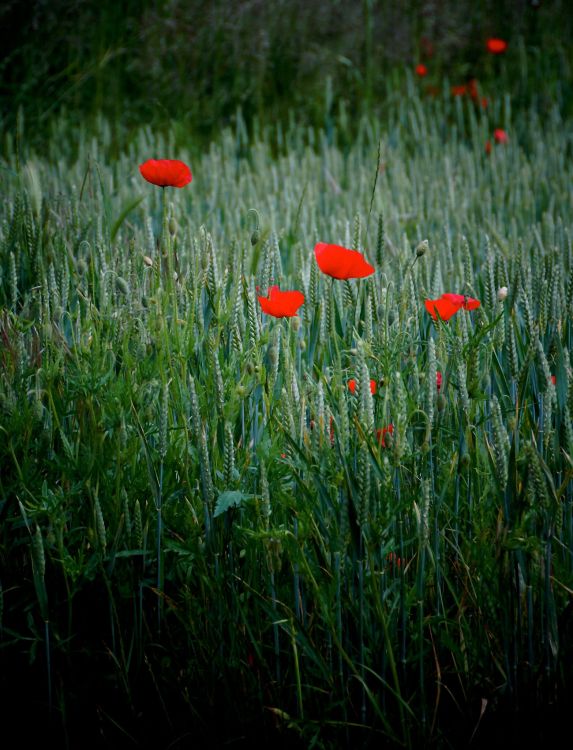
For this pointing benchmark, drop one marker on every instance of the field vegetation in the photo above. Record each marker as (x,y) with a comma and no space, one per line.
(350,527)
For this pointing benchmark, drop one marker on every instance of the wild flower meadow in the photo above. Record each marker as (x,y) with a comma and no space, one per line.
(286,450)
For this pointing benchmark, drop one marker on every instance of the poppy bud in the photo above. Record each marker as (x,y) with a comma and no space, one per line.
(144,301)
(302,345)
(502,293)
(464,461)
(172,226)
(422,248)
(121,285)
(295,324)
(249,368)
(255,237)
(441,402)
(82,267)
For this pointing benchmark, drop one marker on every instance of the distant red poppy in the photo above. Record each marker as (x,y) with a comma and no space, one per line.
(421,70)
(484,102)
(281,304)
(496,46)
(427,46)
(381,434)
(554,379)
(488,147)
(438,380)
(449,304)
(166,172)
(341,263)
(500,136)
(393,559)
(460,90)
(352,386)
(472,89)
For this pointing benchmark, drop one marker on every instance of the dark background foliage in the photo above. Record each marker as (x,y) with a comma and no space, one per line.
(198,62)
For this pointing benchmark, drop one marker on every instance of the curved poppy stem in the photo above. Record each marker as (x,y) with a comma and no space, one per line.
(165,245)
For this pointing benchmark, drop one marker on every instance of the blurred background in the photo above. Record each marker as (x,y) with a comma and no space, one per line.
(198,63)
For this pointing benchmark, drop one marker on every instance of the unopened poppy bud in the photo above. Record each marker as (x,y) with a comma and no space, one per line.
(255,237)
(82,267)
(122,285)
(295,324)
(302,345)
(172,226)
(464,461)
(249,368)
(422,248)
(502,293)
(441,402)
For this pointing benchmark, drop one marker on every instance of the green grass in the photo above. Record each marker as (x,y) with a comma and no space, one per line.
(346,593)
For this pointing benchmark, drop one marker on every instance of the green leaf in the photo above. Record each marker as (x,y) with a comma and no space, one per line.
(229,499)
(123,214)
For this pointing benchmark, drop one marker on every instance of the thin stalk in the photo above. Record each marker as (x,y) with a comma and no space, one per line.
(297,671)
(159,548)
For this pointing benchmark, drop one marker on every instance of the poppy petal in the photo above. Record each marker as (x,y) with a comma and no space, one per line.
(442,307)
(341,263)
(352,386)
(281,304)
(496,46)
(166,172)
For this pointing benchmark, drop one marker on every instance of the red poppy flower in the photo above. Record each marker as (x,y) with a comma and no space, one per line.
(484,102)
(166,172)
(393,559)
(449,304)
(341,263)
(554,379)
(352,386)
(460,90)
(496,46)
(281,304)
(473,89)
(421,70)
(438,380)
(381,434)
(468,303)
(500,136)
(488,147)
